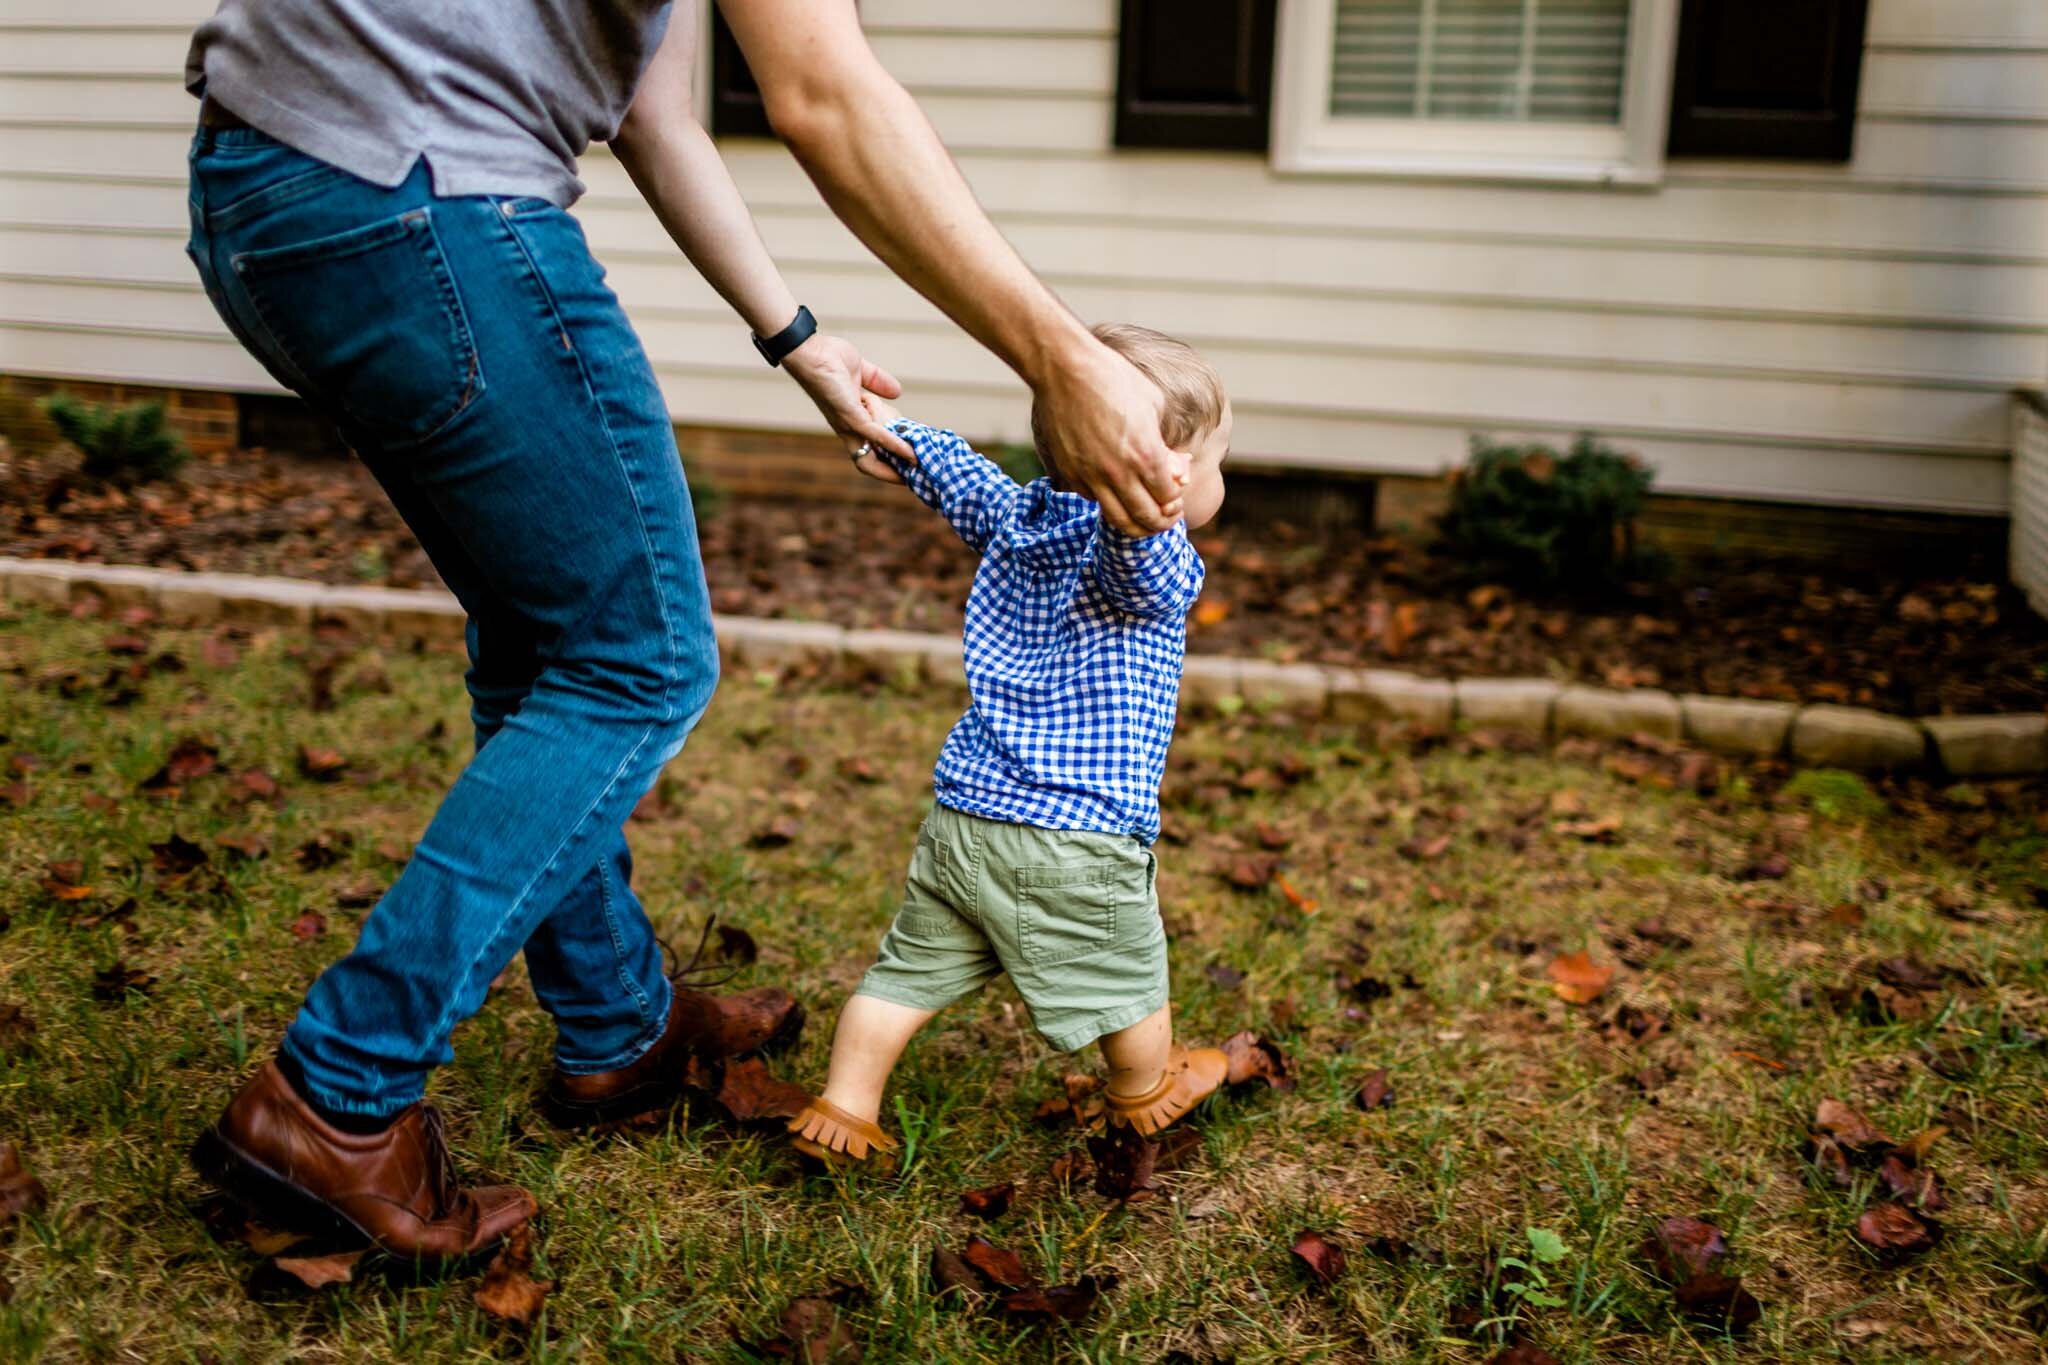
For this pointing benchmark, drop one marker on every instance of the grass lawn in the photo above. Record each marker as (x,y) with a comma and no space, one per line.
(1773,946)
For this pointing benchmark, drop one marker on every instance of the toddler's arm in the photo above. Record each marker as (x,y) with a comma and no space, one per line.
(957,481)
(1158,575)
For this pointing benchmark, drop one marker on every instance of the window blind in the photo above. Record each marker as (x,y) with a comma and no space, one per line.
(1523,61)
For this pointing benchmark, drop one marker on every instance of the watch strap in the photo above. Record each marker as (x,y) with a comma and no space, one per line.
(774,348)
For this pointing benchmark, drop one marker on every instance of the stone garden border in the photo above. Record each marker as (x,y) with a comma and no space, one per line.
(1849,737)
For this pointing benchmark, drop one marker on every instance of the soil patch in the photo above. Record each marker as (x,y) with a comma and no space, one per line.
(1954,642)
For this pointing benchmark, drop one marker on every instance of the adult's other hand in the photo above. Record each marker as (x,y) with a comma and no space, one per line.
(831,370)
(1101,418)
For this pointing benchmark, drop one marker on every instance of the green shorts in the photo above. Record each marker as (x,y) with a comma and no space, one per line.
(1071,915)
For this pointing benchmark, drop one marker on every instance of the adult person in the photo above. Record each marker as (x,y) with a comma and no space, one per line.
(378,196)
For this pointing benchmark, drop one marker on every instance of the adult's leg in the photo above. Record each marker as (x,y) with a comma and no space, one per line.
(473,345)
(594,961)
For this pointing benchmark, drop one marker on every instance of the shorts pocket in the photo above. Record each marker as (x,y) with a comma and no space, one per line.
(371,320)
(1068,913)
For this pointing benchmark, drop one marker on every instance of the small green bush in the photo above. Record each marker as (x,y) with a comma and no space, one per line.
(1836,794)
(1535,518)
(121,445)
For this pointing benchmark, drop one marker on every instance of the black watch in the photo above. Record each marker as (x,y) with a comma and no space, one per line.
(774,348)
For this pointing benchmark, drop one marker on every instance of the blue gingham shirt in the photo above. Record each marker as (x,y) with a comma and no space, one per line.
(1075,638)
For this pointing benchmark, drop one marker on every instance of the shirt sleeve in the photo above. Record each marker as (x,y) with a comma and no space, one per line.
(956,481)
(1157,575)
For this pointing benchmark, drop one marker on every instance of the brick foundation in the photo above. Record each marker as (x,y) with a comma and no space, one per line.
(747,462)
(208,419)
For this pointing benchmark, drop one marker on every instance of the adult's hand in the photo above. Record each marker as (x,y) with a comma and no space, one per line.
(1101,418)
(832,371)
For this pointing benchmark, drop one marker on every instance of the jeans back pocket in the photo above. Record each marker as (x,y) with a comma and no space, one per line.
(371,319)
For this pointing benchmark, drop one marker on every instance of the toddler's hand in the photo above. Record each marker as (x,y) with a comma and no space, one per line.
(880,410)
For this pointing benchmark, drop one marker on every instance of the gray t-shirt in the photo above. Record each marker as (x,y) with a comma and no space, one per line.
(500,96)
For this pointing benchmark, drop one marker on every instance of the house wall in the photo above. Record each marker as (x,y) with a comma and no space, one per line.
(1840,335)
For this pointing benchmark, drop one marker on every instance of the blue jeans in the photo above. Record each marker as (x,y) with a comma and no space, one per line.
(471,354)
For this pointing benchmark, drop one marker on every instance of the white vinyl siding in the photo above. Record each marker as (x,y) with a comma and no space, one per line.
(1842,334)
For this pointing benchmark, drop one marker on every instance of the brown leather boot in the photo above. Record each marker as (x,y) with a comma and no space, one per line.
(395,1188)
(1191,1077)
(700,1025)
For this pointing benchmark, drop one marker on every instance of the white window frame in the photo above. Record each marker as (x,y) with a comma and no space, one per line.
(1308,140)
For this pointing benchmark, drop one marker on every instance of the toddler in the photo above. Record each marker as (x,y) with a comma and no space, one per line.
(1036,859)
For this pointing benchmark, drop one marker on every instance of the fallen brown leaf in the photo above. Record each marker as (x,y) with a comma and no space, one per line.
(1686,1253)
(321,764)
(1059,1302)
(1305,904)
(991,1201)
(1320,1257)
(17,1030)
(814,1333)
(1249,873)
(20,1192)
(998,1265)
(1224,975)
(190,758)
(509,1291)
(1522,1353)
(951,1274)
(1605,829)
(1848,1127)
(1252,1058)
(247,847)
(737,945)
(1579,980)
(113,984)
(176,856)
(257,785)
(749,1092)
(65,881)
(1914,1186)
(1425,850)
(317,1272)
(1770,867)
(1376,1093)
(1679,1248)
(1893,1230)
(777,833)
(1719,1299)
(309,925)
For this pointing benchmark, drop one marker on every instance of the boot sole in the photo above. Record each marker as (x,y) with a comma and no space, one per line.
(279,1201)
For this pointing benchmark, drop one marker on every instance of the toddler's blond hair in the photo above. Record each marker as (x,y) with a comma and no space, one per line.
(1193,389)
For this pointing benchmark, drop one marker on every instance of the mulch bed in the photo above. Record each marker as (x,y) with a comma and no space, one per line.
(1959,643)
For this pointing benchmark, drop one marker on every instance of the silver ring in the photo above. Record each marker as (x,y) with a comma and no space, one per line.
(867,448)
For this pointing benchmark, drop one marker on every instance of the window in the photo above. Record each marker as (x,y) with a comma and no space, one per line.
(1539,89)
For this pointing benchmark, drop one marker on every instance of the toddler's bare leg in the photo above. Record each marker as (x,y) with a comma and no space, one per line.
(1137,1055)
(871,1035)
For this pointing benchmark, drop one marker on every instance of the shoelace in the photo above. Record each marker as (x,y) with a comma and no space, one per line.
(706,975)
(440,1161)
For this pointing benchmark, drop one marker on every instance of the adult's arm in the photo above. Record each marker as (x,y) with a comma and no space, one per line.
(880,166)
(677,169)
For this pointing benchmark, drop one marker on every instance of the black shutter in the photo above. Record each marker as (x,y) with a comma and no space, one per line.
(1195,73)
(1767,78)
(736,107)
